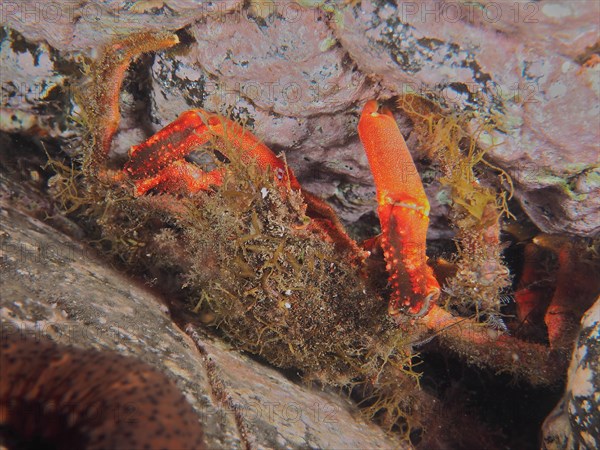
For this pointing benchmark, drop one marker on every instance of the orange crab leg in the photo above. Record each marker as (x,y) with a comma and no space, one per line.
(403,212)
(180,176)
(152,163)
(159,163)
(107,73)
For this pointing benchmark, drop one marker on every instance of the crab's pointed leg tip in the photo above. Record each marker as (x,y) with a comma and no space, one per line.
(371,108)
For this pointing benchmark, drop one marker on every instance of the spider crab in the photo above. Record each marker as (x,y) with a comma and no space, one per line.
(159,164)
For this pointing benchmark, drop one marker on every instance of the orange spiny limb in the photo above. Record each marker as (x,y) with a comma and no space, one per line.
(151,163)
(577,286)
(331,224)
(180,177)
(159,163)
(403,212)
(107,74)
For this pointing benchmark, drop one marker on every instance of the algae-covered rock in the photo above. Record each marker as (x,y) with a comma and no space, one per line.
(575,422)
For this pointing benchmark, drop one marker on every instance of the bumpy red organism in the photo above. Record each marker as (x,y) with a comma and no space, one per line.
(67,397)
(109,72)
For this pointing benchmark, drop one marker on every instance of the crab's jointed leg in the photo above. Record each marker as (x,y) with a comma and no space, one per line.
(159,163)
(107,74)
(160,160)
(403,212)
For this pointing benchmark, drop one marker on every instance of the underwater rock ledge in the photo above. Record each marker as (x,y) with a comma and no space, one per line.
(529,66)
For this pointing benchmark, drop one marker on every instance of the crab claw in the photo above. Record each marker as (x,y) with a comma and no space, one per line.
(403,212)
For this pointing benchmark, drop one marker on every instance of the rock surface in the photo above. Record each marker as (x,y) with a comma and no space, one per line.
(575,422)
(57,288)
(520,62)
(529,66)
